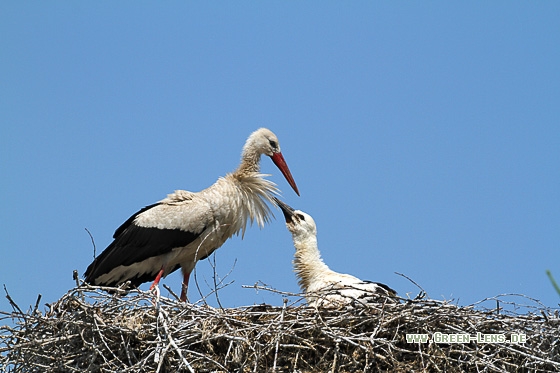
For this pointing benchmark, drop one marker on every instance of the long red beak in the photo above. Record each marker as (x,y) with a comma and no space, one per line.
(279,161)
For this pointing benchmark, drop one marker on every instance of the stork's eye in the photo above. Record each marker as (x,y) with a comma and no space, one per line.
(300,216)
(273,143)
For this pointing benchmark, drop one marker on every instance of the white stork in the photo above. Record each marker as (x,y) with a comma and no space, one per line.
(322,286)
(187,227)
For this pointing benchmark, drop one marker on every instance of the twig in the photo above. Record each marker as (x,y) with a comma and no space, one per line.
(12,303)
(336,350)
(37,303)
(414,282)
(164,317)
(171,292)
(256,286)
(92,242)
(279,336)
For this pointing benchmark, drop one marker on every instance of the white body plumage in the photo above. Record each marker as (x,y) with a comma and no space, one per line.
(186,227)
(322,286)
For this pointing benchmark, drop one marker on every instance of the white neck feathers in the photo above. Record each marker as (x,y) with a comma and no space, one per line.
(308,264)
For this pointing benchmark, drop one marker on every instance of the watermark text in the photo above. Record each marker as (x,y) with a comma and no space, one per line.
(438,337)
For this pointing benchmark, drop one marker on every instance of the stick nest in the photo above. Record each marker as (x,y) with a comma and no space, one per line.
(90,330)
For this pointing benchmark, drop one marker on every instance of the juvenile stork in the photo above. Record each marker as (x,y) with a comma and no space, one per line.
(187,227)
(322,286)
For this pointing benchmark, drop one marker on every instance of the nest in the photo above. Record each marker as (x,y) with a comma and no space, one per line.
(90,330)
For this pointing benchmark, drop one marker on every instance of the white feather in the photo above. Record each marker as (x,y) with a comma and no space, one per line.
(322,286)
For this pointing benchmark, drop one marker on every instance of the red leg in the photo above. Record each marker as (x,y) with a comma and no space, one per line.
(158,277)
(185,286)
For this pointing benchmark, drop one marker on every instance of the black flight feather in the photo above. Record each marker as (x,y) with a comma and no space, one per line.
(389,290)
(134,244)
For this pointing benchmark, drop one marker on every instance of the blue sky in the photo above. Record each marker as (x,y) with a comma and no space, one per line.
(424,137)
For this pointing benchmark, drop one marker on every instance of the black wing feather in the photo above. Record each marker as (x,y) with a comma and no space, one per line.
(133,244)
(129,221)
(389,290)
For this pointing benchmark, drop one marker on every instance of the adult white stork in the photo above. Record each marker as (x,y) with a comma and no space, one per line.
(187,227)
(322,286)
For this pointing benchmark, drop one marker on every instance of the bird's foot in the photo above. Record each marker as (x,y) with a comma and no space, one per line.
(157,294)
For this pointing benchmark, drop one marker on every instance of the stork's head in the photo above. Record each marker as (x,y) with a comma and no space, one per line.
(264,141)
(298,222)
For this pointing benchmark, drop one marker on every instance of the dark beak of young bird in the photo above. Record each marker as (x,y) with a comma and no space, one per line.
(286,210)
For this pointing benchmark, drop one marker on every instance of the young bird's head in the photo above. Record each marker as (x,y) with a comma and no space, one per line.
(298,222)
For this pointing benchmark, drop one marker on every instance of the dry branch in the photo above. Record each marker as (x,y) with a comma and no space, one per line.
(90,330)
